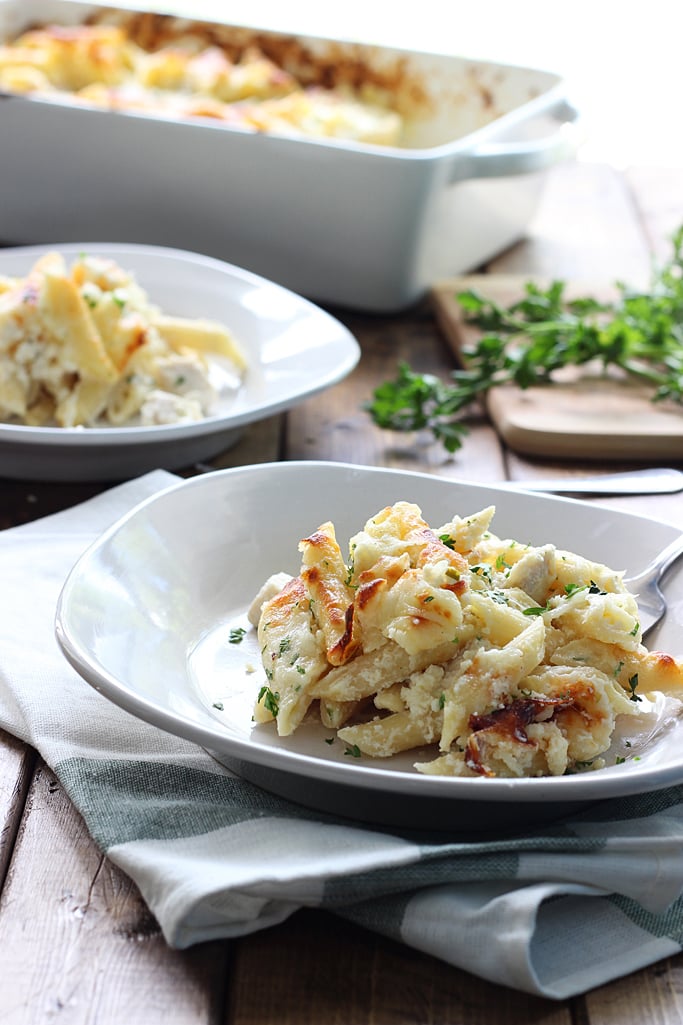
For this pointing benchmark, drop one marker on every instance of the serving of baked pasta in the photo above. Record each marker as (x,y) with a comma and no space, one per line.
(83,346)
(488,656)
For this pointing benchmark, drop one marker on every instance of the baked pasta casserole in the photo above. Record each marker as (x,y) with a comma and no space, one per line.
(181,69)
(489,656)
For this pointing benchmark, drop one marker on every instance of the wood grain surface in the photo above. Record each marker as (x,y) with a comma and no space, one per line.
(78,944)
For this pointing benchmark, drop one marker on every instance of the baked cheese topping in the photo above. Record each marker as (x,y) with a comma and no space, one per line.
(83,346)
(188,77)
(496,658)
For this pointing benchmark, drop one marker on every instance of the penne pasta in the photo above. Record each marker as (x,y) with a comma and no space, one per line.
(83,346)
(505,658)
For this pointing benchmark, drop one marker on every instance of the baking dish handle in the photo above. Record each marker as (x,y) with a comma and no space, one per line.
(499,159)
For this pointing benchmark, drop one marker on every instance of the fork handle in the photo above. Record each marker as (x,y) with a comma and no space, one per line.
(638,482)
(660,564)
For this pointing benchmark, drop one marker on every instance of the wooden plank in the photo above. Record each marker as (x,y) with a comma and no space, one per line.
(24,501)
(328,970)
(652,995)
(17,761)
(260,443)
(335,425)
(77,941)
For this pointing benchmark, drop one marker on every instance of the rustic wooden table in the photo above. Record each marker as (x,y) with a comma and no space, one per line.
(77,943)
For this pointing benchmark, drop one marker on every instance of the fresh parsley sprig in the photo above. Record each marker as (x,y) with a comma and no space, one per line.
(640,332)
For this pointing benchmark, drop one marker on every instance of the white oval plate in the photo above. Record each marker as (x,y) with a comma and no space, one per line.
(294,349)
(146,613)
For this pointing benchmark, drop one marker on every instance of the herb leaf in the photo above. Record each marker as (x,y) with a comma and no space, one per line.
(632,684)
(271,700)
(641,333)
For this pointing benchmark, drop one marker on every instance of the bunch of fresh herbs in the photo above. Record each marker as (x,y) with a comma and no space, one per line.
(640,332)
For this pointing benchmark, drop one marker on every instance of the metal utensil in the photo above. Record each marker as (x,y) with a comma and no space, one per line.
(645,585)
(637,482)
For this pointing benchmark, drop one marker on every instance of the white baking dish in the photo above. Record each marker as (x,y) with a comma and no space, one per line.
(358,225)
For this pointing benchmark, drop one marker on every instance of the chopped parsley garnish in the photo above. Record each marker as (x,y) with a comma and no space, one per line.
(570,589)
(632,684)
(535,610)
(592,588)
(447,540)
(353,750)
(270,700)
(218,705)
(237,634)
(527,342)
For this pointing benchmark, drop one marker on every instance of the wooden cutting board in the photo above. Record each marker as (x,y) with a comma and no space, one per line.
(584,414)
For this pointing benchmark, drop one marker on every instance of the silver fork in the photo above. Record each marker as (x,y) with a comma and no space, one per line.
(645,585)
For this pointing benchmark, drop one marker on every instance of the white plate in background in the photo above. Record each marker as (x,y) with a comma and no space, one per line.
(174,592)
(293,349)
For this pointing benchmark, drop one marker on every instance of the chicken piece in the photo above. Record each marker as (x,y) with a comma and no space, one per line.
(534,573)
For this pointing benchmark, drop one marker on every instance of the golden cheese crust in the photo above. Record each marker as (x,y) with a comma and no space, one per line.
(173,68)
(325,576)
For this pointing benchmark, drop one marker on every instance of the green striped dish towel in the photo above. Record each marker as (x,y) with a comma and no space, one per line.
(556,911)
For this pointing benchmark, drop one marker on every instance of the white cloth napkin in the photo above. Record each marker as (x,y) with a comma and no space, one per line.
(555,912)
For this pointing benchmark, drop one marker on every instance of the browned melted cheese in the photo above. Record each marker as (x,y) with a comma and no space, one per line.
(509,722)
